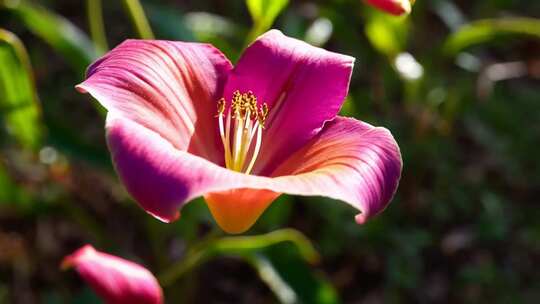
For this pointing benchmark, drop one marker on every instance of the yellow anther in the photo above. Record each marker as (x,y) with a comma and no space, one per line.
(263,112)
(221,106)
(236,104)
(252,104)
(238,135)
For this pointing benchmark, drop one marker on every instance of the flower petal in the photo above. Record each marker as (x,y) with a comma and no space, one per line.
(349,160)
(303,85)
(168,87)
(394,7)
(116,280)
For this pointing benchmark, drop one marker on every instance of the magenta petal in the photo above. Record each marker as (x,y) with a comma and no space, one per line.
(168,87)
(303,85)
(348,160)
(116,280)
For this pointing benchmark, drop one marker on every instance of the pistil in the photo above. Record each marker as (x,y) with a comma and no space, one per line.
(246,120)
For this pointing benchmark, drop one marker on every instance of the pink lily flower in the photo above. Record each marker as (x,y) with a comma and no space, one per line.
(116,280)
(394,7)
(183,123)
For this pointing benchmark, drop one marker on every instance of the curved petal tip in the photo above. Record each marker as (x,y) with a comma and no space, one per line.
(166,220)
(80,88)
(360,218)
(72,259)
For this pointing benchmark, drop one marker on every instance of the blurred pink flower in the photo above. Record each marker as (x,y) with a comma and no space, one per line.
(394,7)
(116,280)
(183,123)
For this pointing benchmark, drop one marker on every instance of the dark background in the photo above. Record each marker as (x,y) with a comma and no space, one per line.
(463,228)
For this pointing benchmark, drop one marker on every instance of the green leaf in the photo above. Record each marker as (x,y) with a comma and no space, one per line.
(263,13)
(486,30)
(388,34)
(281,258)
(290,278)
(19,105)
(64,37)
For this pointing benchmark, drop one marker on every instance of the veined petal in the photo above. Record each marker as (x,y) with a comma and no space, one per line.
(168,87)
(303,85)
(348,160)
(394,7)
(116,280)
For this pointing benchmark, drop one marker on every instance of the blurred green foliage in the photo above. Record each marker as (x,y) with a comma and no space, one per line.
(263,12)
(457,83)
(67,39)
(18,96)
(483,31)
(387,33)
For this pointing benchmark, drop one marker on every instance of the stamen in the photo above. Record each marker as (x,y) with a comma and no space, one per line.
(239,125)
(246,119)
(256,150)
(224,136)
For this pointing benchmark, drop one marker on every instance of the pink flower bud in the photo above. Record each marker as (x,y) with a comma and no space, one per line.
(116,280)
(394,7)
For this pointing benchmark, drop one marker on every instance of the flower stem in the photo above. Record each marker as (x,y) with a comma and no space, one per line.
(97,28)
(138,18)
(239,246)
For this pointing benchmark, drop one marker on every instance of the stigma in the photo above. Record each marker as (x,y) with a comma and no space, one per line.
(240,128)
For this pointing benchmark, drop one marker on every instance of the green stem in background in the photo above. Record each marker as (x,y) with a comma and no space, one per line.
(240,246)
(95,21)
(135,11)
(273,280)
(21,53)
